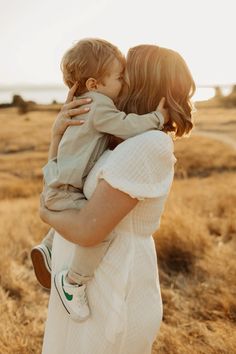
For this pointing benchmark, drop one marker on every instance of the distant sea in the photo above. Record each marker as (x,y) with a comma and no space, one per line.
(47,94)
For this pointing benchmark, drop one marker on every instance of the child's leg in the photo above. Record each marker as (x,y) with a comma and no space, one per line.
(55,199)
(86,260)
(71,285)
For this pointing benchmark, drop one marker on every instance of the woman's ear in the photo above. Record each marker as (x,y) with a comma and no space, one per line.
(91,84)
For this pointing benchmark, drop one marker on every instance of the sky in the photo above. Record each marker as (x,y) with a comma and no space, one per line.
(35,34)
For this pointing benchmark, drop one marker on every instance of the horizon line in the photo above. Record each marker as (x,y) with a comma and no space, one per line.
(61,86)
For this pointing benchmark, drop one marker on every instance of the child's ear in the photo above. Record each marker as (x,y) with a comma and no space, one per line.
(91,84)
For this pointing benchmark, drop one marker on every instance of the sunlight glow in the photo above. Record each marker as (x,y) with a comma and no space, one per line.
(34,35)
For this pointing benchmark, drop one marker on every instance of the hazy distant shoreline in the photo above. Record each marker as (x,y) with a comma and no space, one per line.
(39,94)
(31,87)
(46,94)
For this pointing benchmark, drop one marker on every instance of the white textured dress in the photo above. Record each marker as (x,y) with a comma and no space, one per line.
(124,294)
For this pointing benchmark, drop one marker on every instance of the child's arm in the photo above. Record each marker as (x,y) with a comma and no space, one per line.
(108,119)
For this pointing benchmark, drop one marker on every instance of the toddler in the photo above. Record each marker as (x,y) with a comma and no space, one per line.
(98,67)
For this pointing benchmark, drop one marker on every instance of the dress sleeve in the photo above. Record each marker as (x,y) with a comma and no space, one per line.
(143,166)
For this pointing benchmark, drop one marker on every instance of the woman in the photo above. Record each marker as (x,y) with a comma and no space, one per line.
(126,189)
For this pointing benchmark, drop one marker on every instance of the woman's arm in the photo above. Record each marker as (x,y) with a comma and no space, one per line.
(63,120)
(92,224)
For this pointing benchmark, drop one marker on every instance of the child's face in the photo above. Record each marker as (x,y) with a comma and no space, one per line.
(112,84)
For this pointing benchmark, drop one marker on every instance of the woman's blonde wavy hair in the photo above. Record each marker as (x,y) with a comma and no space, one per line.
(152,73)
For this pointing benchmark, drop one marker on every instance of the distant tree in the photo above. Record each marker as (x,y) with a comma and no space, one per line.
(231,98)
(218,92)
(233,92)
(228,101)
(18,101)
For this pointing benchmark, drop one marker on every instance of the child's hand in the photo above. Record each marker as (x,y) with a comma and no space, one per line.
(163,110)
(69,110)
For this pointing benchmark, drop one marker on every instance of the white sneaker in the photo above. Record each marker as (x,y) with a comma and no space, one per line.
(73,297)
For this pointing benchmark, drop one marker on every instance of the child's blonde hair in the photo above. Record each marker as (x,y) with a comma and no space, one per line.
(156,72)
(89,58)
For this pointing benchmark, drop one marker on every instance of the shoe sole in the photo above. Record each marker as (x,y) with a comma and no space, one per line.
(41,268)
(74,316)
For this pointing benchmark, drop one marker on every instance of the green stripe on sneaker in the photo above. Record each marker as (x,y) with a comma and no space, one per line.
(50,254)
(68,296)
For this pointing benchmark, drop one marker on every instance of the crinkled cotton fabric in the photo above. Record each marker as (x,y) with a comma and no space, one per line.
(124,294)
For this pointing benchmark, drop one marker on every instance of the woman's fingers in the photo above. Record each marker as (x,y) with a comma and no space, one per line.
(71,93)
(69,110)
(76,112)
(69,122)
(76,103)
(64,120)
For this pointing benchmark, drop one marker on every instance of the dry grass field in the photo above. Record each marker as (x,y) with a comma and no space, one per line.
(196,243)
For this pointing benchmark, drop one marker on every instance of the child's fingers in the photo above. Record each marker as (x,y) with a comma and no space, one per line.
(161,103)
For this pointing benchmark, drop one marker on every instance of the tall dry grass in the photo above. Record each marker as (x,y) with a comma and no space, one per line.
(196,247)
(196,243)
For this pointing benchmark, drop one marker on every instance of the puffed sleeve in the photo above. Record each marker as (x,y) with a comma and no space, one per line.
(142,166)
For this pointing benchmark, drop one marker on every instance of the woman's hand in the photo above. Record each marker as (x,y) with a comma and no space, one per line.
(69,110)
(63,120)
